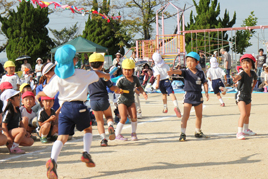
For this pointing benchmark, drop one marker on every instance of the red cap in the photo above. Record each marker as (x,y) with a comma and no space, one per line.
(248,56)
(27,93)
(238,68)
(46,98)
(5,85)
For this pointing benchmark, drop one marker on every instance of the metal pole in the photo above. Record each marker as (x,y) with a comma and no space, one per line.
(232,45)
(222,39)
(218,43)
(258,41)
(235,47)
(196,41)
(209,42)
(205,43)
(191,41)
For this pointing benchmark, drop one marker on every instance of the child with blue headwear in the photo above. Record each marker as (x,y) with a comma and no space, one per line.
(193,80)
(72,85)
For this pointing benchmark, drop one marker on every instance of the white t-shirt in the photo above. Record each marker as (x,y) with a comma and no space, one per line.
(27,78)
(25,113)
(38,67)
(73,88)
(13,79)
(161,71)
(215,73)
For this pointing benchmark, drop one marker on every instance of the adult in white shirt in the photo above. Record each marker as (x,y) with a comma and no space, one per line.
(38,67)
(118,60)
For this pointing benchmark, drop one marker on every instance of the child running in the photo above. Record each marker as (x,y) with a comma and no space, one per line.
(72,85)
(246,79)
(126,101)
(12,124)
(47,125)
(215,74)
(163,83)
(11,77)
(193,79)
(99,100)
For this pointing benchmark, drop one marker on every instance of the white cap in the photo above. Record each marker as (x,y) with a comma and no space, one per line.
(265,65)
(47,68)
(7,94)
(39,59)
(213,62)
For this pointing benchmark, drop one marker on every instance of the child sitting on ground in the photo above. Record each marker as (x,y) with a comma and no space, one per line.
(193,79)
(12,124)
(11,77)
(47,123)
(126,101)
(29,118)
(215,74)
(163,83)
(99,100)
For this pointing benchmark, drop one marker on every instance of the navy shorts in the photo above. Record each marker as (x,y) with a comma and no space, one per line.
(165,87)
(99,105)
(242,97)
(192,97)
(71,114)
(216,84)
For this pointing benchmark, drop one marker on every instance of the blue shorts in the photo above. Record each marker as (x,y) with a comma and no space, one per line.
(71,114)
(165,87)
(216,84)
(99,105)
(193,97)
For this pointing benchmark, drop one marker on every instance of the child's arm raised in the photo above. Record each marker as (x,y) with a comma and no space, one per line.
(171,72)
(236,78)
(102,74)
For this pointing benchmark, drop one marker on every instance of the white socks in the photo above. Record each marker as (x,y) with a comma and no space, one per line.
(183,130)
(43,135)
(221,101)
(245,127)
(165,105)
(197,130)
(175,102)
(119,128)
(110,123)
(134,126)
(14,145)
(240,129)
(102,136)
(56,148)
(87,141)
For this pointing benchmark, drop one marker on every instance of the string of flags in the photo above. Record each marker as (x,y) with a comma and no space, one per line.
(74,9)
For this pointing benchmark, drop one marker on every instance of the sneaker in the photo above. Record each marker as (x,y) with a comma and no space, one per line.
(240,136)
(51,169)
(249,132)
(111,132)
(139,115)
(222,105)
(104,143)
(43,139)
(121,137)
(165,110)
(134,136)
(17,150)
(87,159)
(182,137)
(178,112)
(200,135)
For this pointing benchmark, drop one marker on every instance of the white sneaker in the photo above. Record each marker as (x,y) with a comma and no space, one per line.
(249,132)
(139,115)
(240,136)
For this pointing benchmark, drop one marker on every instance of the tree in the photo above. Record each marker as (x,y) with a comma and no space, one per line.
(242,37)
(26,32)
(107,34)
(64,35)
(207,17)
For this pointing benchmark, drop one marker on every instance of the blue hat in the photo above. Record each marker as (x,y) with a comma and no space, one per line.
(64,57)
(193,55)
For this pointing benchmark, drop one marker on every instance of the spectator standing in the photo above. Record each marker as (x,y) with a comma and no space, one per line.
(227,64)
(38,67)
(118,60)
(202,59)
(25,65)
(86,64)
(260,60)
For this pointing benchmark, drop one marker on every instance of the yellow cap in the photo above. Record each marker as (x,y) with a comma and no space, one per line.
(9,64)
(128,64)
(96,57)
(23,85)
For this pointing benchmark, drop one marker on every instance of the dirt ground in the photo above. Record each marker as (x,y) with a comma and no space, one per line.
(158,153)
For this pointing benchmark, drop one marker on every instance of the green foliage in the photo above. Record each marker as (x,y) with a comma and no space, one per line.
(64,35)
(242,37)
(26,32)
(106,34)
(207,18)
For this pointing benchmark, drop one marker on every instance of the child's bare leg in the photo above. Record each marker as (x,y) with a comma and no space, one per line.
(173,97)
(243,114)
(100,122)
(246,121)
(26,141)
(219,98)
(164,97)
(186,114)
(133,114)
(123,114)
(3,139)
(18,134)
(175,102)
(198,113)
(45,128)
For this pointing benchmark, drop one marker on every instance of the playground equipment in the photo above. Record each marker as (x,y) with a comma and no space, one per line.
(172,46)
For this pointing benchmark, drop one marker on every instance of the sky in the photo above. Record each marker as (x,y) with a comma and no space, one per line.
(59,20)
